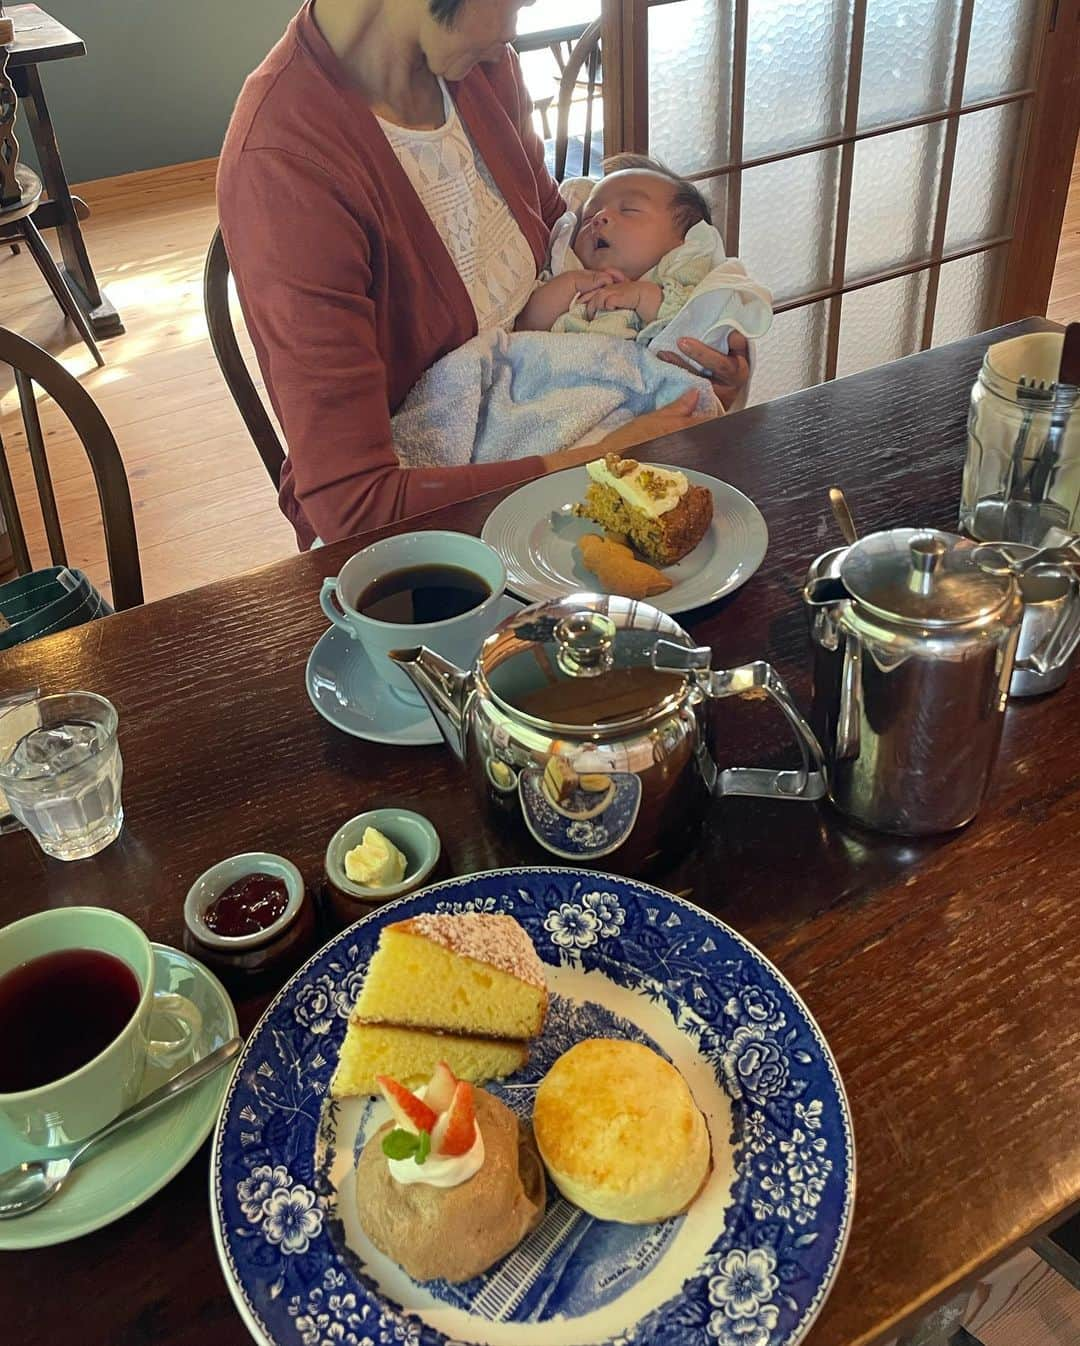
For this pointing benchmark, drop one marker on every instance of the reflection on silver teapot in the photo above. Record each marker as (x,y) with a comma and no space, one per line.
(915,637)
(584,716)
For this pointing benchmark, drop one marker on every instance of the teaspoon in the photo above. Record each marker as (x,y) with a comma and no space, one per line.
(842,515)
(27,1186)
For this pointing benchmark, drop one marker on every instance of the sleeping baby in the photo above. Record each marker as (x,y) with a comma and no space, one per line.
(644,244)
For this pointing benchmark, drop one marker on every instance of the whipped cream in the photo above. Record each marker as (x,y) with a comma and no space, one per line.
(441,1170)
(653,490)
(376,862)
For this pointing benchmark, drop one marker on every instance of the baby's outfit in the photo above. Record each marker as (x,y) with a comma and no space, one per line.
(678,273)
(723,296)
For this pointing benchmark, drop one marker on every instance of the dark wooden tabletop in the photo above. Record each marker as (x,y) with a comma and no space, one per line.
(943,972)
(39,37)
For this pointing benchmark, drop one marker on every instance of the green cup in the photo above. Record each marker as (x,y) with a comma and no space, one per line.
(76,1105)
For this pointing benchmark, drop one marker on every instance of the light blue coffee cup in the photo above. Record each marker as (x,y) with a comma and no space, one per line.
(456,638)
(76,1105)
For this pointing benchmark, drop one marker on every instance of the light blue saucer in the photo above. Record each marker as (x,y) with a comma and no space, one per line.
(139,1160)
(345,689)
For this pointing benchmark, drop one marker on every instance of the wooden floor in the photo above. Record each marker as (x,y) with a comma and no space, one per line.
(1065,295)
(204,506)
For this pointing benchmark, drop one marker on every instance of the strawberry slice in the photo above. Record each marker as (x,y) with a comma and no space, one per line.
(455,1130)
(410,1112)
(440,1090)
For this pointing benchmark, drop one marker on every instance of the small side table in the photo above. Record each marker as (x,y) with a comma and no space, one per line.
(40,38)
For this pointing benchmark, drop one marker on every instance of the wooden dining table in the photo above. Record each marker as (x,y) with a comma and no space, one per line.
(944,971)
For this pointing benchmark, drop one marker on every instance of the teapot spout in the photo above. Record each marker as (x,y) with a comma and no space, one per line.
(445,688)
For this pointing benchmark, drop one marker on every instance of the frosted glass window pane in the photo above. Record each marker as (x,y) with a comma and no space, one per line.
(796,73)
(881,323)
(689,49)
(715,191)
(1002,47)
(788,221)
(987,147)
(893,193)
(968,295)
(908,57)
(792,355)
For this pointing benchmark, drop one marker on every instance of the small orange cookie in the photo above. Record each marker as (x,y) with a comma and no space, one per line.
(618,569)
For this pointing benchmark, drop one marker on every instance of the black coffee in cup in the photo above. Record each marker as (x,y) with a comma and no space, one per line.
(58,1011)
(421,594)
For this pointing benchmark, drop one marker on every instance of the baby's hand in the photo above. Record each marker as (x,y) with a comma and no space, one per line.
(590,281)
(642,296)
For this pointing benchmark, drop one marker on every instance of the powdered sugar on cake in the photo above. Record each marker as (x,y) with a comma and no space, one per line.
(496,940)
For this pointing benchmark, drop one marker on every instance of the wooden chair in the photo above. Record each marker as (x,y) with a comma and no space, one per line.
(585,54)
(230,358)
(20,196)
(33,365)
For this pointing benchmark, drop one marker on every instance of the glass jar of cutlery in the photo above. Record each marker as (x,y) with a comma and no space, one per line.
(1022,472)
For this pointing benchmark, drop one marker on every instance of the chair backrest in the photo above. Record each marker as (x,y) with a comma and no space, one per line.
(586,52)
(33,365)
(230,358)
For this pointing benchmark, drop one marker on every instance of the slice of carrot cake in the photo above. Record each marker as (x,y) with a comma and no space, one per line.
(656,508)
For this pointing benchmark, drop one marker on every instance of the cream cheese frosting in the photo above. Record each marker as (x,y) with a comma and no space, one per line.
(652,490)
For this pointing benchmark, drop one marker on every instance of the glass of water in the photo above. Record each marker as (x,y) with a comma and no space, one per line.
(62,778)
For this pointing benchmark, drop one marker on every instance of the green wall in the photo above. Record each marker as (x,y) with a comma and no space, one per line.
(158,81)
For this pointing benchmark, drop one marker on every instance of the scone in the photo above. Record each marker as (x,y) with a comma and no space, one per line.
(620,1133)
(657,509)
(468,989)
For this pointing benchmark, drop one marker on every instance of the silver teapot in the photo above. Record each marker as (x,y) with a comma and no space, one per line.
(583,717)
(915,637)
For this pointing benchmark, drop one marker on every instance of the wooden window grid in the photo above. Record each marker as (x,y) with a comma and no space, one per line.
(628,21)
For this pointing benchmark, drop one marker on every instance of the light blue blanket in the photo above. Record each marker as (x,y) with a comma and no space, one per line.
(511,394)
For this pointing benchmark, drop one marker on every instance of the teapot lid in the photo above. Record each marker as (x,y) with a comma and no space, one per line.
(922,576)
(583,662)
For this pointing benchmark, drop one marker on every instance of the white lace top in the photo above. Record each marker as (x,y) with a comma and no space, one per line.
(467,208)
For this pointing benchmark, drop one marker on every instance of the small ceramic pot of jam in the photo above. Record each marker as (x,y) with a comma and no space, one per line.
(409,832)
(248,913)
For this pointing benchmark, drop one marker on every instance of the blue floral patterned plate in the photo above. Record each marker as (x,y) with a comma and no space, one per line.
(749,1264)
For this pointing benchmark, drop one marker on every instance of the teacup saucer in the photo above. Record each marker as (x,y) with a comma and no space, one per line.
(141,1158)
(345,689)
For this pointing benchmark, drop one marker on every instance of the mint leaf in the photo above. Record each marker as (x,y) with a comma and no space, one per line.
(400,1144)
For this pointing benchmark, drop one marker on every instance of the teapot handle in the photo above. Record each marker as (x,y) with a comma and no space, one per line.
(806,783)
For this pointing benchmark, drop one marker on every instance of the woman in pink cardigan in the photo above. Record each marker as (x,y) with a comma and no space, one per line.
(383,196)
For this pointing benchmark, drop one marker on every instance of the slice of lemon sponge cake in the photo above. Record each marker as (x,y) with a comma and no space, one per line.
(466,989)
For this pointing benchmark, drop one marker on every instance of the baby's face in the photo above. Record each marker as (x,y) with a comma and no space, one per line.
(628,223)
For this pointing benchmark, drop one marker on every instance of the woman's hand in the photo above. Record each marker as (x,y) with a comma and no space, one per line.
(728,374)
(679,415)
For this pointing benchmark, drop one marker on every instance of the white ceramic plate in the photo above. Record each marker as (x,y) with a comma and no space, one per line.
(536,541)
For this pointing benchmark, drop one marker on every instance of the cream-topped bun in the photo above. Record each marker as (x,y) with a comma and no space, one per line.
(620,1132)
(455,1233)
